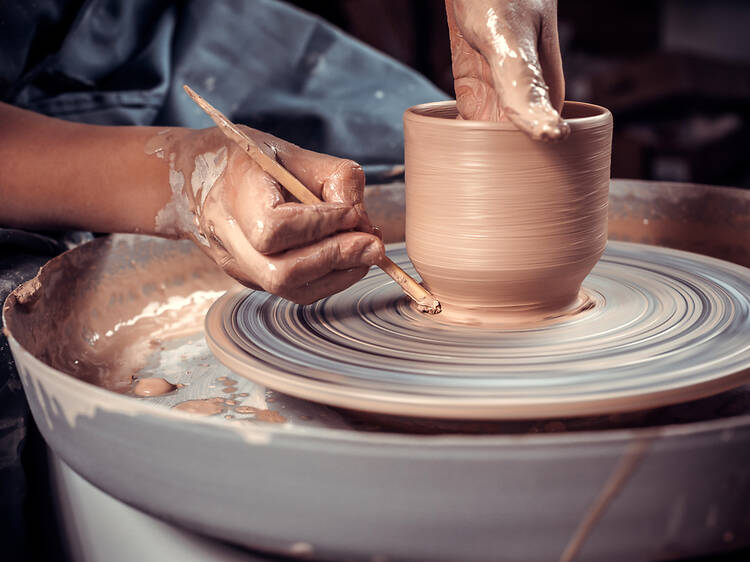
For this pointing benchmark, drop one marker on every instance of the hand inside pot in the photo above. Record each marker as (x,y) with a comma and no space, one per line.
(507,63)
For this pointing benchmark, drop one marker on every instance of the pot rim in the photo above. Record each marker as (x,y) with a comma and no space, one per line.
(420,114)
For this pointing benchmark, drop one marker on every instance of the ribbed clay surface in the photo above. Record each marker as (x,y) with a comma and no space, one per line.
(499,224)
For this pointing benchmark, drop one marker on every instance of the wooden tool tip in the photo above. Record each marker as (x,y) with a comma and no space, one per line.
(429,305)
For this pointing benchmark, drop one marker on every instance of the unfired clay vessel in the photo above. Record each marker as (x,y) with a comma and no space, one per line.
(503,228)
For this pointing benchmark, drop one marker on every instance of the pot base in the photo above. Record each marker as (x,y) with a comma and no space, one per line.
(516,317)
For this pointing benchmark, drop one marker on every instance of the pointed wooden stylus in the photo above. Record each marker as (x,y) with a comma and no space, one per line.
(421,296)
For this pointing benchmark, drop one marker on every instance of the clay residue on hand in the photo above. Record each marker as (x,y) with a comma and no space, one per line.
(208,168)
(240,216)
(507,64)
(182,214)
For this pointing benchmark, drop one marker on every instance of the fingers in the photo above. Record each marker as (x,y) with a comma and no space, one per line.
(296,251)
(472,79)
(302,275)
(326,286)
(271,225)
(497,65)
(520,86)
(292,225)
(347,184)
(331,179)
(290,272)
(271,230)
(551,62)
(293,250)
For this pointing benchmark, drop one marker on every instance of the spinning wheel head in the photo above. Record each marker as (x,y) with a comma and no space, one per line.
(665,327)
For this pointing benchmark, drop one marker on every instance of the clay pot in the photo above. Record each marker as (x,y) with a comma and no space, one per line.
(499,226)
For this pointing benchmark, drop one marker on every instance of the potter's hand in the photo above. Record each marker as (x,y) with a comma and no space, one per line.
(507,64)
(251,227)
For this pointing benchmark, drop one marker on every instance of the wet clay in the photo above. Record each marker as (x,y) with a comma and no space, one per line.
(235,213)
(214,406)
(154,386)
(129,312)
(202,406)
(501,71)
(260,414)
(113,357)
(504,229)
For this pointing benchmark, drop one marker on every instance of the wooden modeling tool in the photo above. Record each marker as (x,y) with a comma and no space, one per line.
(424,300)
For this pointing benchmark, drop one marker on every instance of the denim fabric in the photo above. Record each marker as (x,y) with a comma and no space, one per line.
(261,62)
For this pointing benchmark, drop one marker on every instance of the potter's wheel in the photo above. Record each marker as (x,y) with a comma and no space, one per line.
(326,485)
(665,327)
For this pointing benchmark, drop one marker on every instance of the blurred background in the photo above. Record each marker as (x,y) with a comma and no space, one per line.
(675,73)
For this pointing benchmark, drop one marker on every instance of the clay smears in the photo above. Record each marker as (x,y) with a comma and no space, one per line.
(499,72)
(202,406)
(428,306)
(155,386)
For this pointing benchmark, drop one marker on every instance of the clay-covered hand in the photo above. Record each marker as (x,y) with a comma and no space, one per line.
(253,228)
(507,63)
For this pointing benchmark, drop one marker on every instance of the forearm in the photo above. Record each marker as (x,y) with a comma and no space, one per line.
(62,175)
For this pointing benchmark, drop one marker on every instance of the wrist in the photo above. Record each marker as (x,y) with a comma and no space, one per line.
(194,159)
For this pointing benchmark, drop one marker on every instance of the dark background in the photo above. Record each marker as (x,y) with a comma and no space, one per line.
(675,73)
